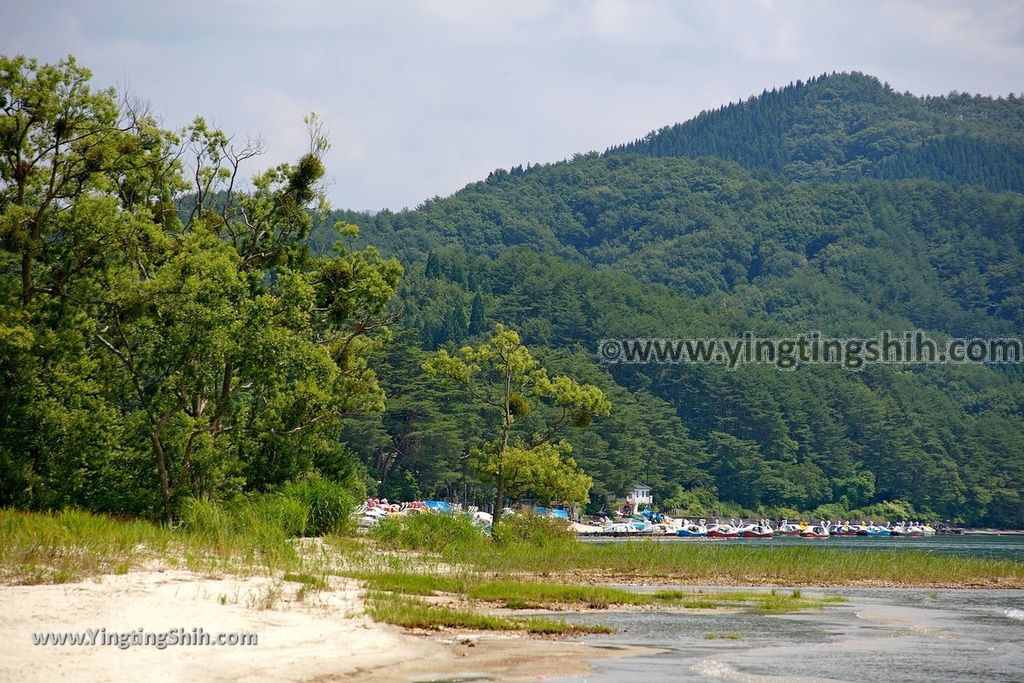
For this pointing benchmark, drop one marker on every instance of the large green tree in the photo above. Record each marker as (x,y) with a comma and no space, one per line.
(165,337)
(524,454)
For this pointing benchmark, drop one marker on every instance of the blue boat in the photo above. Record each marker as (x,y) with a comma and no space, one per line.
(877,531)
(692,530)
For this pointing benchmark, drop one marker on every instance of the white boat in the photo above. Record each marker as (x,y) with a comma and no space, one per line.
(815,531)
(692,530)
(756,531)
(789,529)
(723,531)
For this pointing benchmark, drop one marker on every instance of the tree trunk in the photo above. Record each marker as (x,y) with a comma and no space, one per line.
(26,278)
(165,485)
(506,427)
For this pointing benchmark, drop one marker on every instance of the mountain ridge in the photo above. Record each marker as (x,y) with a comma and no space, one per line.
(847,126)
(626,244)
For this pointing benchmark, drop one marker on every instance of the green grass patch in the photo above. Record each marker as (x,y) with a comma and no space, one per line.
(742,564)
(411,612)
(529,594)
(722,636)
(66,546)
(307,580)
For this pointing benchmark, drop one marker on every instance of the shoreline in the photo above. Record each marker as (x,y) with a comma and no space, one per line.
(323,638)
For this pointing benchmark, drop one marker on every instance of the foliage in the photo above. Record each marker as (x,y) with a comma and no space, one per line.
(504,376)
(547,470)
(329,504)
(436,533)
(533,530)
(850,125)
(161,340)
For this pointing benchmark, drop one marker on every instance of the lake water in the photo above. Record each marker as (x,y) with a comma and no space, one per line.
(1010,547)
(884,635)
(880,635)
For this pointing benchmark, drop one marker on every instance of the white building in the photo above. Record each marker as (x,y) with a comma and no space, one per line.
(641,495)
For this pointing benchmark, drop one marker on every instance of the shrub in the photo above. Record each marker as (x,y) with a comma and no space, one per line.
(533,530)
(329,504)
(428,531)
(265,515)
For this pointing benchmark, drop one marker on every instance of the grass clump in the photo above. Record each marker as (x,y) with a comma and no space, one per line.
(57,547)
(253,529)
(308,580)
(430,532)
(529,594)
(329,505)
(533,530)
(414,613)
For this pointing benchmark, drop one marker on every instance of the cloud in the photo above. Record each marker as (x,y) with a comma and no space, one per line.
(424,97)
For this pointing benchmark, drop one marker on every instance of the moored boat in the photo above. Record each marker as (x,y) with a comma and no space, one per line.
(723,531)
(844,529)
(788,529)
(692,530)
(756,531)
(815,531)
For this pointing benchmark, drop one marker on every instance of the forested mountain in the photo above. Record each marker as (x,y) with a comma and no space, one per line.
(164,335)
(632,244)
(849,125)
(849,256)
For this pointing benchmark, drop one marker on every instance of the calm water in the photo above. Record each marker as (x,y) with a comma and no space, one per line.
(997,547)
(880,635)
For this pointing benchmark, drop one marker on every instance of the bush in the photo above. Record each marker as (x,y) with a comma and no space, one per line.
(532,529)
(268,516)
(329,504)
(428,531)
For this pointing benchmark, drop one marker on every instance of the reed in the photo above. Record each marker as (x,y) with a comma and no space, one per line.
(65,546)
(748,564)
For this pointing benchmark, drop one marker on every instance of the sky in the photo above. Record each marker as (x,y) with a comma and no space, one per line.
(421,98)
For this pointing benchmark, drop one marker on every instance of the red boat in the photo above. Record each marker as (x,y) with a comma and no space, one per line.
(756,531)
(723,531)
(816,531)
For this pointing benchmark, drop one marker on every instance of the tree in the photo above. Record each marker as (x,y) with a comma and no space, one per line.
(159,336)
(502,374)
(228,330)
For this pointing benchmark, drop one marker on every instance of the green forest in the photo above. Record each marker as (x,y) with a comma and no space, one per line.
(169,330)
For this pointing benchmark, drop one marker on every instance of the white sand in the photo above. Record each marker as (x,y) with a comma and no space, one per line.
(323,638)
(297,641)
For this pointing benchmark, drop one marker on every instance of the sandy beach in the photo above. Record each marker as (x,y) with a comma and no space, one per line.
(322,637)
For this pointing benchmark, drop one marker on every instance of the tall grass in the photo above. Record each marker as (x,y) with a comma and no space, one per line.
(712,562)
(431,532)
(64,546)
(252,530)
(255,532)
(533,530)
(329,504)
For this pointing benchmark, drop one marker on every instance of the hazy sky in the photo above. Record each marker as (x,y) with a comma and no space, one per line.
(424,97)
